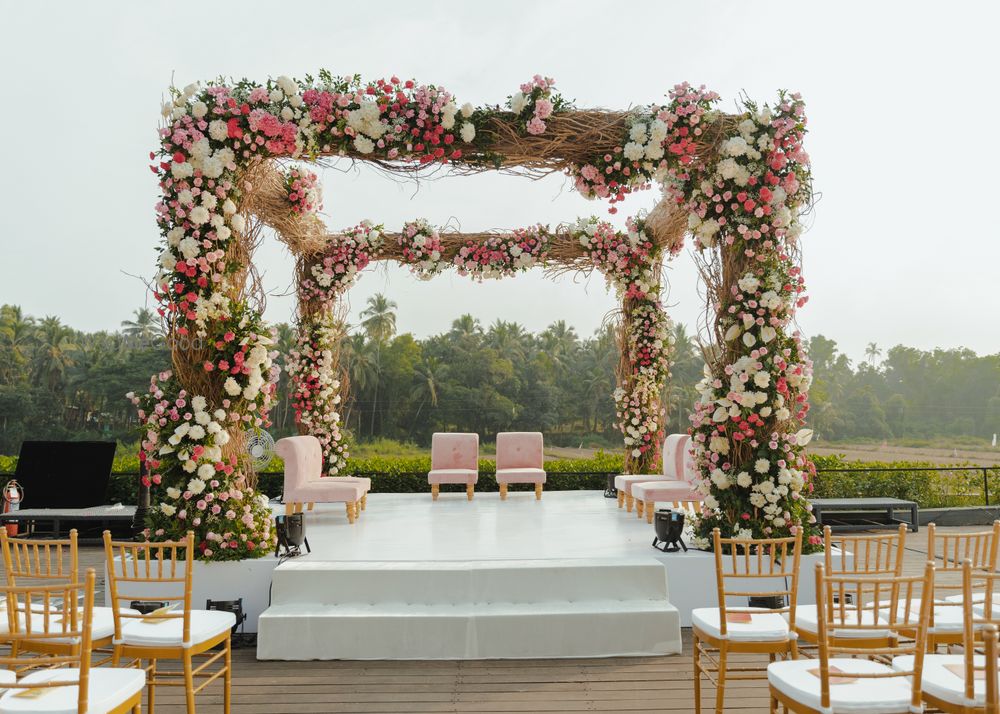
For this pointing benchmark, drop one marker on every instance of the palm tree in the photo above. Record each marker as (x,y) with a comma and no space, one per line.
(507,338)
(145,326)
(53,352)
(16,336)
(379,318)
(872,352)
(426,387)
(466,326)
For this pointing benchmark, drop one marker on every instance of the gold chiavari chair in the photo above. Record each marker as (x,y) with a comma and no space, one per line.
(162,572)
(28,560)
(848,678)
(947,551)
(868,555)
(992,650)
(41,616)
(719,632)
(957,683)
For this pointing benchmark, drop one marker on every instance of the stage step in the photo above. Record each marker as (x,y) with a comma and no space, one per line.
(501,609)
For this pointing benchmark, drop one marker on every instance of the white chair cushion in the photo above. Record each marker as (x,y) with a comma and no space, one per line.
(764,625)
(947,618)
(939,681)
(888,695)
(102,625)
(168,632)
(108,688)
(6,677)
(806,619)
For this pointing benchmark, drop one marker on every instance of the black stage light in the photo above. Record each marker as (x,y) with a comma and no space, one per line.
(611,491)
(669,525)
(291,535)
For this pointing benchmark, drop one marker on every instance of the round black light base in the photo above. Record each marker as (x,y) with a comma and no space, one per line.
(669,525)
(611,491)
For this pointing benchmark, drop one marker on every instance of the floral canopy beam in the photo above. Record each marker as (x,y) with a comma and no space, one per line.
(736,181)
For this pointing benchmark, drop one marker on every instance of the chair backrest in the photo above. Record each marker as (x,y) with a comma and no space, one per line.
(520,449)
(880,554)
(166,565)
(839,634)
(949,550)
(980,605)
(772,561)
(455,451)
(678,464)
(39,560)
(303,457)
(37,615)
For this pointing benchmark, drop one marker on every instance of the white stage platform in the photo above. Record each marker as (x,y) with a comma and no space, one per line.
(410,532)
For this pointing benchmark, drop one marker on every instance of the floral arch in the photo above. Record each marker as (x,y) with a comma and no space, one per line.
(736,182)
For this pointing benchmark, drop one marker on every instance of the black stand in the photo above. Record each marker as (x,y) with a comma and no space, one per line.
(611,491)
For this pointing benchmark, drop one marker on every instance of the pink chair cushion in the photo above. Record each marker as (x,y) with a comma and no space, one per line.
(519,450)
(327,490)
(665,491)
(624,482)
(521,475)
(455,451)
(674,448)
(466,476)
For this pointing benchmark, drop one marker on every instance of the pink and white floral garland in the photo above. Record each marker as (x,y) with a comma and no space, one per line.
(304,191)
(535,103)
(315,388)
(421,244)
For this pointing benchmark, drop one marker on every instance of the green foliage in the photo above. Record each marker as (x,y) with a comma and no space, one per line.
(930,489)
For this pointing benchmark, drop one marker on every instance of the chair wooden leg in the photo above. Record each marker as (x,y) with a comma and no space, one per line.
(772,703)
(538,492)
(289,509)
(227,680)
(629,501)
(151,689)
(435,491)
(503,492)
(649,511)
(621,499)
(639,507)
(469,489)
(364,502)
(720,687)
(309,506)
(350,512)
(189,682)
(696,658)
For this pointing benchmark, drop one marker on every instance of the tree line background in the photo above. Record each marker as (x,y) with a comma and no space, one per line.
(61,383)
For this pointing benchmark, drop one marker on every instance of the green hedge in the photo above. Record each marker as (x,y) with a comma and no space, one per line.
(930,489)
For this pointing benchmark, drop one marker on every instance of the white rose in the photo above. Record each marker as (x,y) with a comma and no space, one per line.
(167,260)
(467,110)
(199,109)
(364,144)
(218,130)
(206,471)
(287,85)
(634,151)
(468,132)
(744,479)
(762,379)
(517,103)
(196,486)
(232,387)
(762,466)
(767,333)
(167,509)
(238,223)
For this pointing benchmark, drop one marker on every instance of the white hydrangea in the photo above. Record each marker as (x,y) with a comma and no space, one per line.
(468,132)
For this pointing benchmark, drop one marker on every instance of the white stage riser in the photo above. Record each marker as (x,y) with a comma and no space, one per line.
(468,610)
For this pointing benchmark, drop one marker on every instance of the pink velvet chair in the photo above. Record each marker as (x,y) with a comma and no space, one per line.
(520,460)
(305,483)
(454,459)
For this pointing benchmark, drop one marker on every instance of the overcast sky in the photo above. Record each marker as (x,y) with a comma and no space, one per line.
(902,99)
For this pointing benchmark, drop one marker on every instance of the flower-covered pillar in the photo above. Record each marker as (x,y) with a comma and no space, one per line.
(747,424)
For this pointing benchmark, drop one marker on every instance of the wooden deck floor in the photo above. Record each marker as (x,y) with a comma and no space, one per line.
(647,684)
